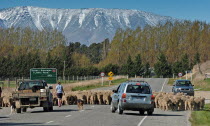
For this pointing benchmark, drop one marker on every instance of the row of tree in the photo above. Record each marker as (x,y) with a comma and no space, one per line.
(165,49)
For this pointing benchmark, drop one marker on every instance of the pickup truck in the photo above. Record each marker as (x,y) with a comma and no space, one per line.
(33,93)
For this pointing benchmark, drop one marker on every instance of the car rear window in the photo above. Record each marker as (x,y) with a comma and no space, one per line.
(138,89)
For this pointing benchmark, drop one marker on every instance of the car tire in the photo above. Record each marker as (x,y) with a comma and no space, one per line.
(120,111)
(141,112)
(18,110)
(113,109)
(51,108)
(150,112)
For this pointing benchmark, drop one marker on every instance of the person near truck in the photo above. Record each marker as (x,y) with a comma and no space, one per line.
(60,92)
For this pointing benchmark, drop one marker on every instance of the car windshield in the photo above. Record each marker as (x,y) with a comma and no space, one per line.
(29,85)
(138,89)
(184,83)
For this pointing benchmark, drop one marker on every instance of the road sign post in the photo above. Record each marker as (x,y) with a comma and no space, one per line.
(102,77)
(110,77)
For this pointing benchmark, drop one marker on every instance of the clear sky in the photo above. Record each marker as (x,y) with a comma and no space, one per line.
(181,9)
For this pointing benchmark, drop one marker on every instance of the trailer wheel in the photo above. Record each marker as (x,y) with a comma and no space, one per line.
(24,109)
(46,109)
(18,110)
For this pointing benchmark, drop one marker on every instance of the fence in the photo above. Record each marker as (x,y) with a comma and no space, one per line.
(12,81)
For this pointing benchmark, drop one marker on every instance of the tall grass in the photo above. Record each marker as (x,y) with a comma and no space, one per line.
(201,118)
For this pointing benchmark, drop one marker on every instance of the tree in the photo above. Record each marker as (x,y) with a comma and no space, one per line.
(147,71)
(111,67)
(162,67)
(139,70)
(185,63)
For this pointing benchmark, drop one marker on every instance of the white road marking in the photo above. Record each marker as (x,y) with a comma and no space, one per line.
(146,116)
(142,121)
(92,106)
(163,85)
(82,110)
(68,116)
(49,122)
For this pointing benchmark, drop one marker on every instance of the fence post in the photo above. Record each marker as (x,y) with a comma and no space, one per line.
(8,83)
(77,78)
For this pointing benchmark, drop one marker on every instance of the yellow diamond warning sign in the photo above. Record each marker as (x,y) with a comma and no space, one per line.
(110,73)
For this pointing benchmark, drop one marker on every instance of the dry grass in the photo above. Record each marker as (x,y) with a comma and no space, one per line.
(68,87)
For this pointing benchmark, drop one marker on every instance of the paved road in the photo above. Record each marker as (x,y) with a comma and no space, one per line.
(97,115)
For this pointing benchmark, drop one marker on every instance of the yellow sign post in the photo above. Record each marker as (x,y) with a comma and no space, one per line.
(110,77)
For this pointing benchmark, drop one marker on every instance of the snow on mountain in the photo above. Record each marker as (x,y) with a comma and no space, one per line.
(79,25)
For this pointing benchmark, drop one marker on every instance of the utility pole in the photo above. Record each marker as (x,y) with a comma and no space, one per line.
(64,67)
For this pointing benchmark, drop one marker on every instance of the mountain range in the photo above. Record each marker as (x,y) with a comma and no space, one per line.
(87,25)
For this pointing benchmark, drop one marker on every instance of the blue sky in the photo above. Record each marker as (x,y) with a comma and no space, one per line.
(181,9)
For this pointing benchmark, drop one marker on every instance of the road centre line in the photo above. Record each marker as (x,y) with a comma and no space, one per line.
(68,116)
(142,121)
(49,122)
(163,85)
(146,116)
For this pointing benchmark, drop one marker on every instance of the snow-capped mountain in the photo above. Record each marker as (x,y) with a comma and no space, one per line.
(79,25)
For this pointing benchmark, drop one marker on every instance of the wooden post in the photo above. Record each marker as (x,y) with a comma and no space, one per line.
(8,84)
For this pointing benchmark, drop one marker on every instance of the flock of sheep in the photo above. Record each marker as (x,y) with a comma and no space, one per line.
(89,97)
(178,102)
(163,100)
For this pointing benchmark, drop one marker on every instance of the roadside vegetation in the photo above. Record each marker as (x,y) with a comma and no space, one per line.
(201,118)
(203,85)
(99,85)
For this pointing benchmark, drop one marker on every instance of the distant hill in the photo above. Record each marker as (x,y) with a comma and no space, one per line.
(79,25)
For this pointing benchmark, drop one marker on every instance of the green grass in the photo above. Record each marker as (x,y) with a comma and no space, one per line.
(203,85)
(105,84)
(201,118)
(171,81)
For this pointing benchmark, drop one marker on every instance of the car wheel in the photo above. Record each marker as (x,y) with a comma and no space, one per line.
(141,112)
(113,109)
(150,112)
(51,108)
(120,111)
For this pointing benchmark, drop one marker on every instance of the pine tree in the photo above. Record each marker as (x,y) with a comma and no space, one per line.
(138,66)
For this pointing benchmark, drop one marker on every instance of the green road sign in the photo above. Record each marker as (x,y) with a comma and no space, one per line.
(47,74)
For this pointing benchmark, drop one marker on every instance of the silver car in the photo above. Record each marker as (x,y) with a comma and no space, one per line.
(133,95)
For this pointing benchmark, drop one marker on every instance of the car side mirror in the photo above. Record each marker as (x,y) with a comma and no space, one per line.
(50,87)
(114,91)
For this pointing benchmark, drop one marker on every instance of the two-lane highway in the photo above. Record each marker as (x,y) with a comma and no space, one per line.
(97,115)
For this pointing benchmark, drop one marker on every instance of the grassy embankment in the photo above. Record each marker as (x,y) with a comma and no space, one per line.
(201,118)
(203,85)
(105,84)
